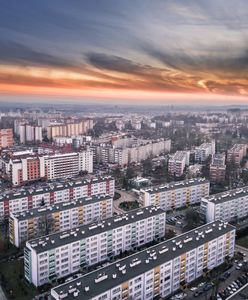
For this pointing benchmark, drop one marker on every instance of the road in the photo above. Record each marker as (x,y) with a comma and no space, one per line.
(125,196)
(2,295)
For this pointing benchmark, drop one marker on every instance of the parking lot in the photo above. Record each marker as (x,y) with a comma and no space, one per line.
(230,282)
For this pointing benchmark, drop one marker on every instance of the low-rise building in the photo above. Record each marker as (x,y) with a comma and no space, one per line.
(178,162)
(90,244)
(228,206)
(25,198)
(155,272)
(237,153)
(62,216)
(217,169)
(176,194)
(204,151)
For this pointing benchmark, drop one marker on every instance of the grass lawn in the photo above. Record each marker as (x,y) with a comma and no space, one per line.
(13,282)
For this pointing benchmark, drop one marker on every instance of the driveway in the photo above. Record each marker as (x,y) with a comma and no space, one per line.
(125,197)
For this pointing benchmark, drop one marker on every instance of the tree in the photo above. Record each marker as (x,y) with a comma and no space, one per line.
(45,225)
(147,167)
(231,171)
(192,219)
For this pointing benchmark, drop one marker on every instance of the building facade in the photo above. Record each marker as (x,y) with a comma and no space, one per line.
(30,133)
(217,169)
(204,151)
(20,169)
(129,150)
(91,244)
(228,206)
(158,271)
(70,128)
(68,164)
(47,194)
(6,138)
(49,219)
(178,162)
(176,194)
(237,153)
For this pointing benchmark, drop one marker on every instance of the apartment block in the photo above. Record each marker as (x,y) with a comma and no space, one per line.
(61,254)
(178,162)
(71,128)
(204,151)
(29,167)
(158,271)
(6,138)
(237,153)
(217,170)
(30,133)
(176,194)
(68,164)
(25,198)
(62,216)
(228,206)
(129,150)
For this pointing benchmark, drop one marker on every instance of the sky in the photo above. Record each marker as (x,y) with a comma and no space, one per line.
(132,51)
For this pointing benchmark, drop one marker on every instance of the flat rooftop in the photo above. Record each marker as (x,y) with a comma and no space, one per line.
(82,232)
(175,185)
(228,195)
(179,155)
(47,187)
(46,210)
(97,282)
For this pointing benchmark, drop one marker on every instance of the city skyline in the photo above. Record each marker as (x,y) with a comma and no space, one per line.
(124,52)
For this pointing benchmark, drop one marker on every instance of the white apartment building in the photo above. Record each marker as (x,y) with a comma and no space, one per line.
(176,194)
(30,133)
(204,151)
(62,216)
(178,162)
(157,271)
(61,254)
(68,164)
(129,150)
(32,167)
(22,199)
(228,206)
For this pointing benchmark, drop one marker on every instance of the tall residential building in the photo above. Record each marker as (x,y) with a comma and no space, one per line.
(129,150)
(204,151)
(68,164)
(6,138)
(178,162)
(237,153)
(155,272)
(176,194)
(21,169)
(90,244)
(62,216)
(71,128)
(217,171)
(30,133)
(25,198)
(228,206)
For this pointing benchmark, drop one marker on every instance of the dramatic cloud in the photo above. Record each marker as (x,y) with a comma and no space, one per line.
(108,47)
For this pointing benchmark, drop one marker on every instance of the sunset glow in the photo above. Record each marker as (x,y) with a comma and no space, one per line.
(125,51)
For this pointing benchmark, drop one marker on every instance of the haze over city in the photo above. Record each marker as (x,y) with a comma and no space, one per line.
(123,150)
